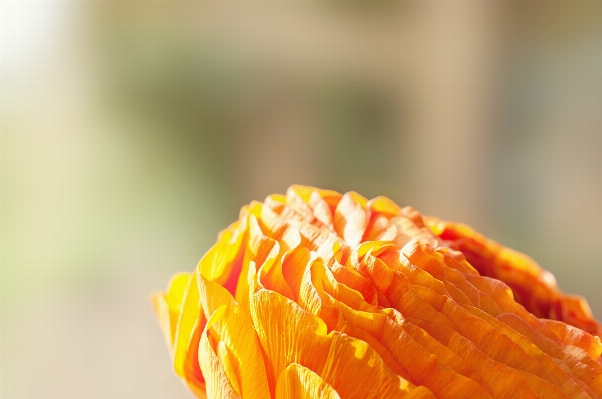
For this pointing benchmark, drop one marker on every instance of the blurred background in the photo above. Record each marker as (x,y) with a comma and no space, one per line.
(132,132)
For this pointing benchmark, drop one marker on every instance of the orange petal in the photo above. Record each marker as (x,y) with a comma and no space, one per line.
(271,277)
(322,210)
(332,198)
(294,264)
(576,337)
(534,287)
(297,381)
(421,366)
(288,334)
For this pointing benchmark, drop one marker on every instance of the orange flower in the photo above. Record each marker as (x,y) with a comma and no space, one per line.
(321,295)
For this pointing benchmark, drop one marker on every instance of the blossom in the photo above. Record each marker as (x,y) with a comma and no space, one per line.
(321,295)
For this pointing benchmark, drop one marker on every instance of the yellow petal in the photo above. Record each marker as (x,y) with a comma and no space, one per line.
(258,248)
(166,305)
(223,262)
(305,192)
(218,383)
(271,277)
(384,205)
(289,334)
(240,349)
(187,336)
(300,382)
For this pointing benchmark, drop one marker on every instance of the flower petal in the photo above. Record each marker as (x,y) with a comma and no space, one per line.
(421,366)
(299,382)
(351,218)
(289,334)
(191,322)
(223,262)
(218,383)
(166,305)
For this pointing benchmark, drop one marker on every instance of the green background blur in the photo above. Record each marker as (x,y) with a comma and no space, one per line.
(133,132)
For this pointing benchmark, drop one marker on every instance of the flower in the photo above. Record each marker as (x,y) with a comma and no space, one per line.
(321,295)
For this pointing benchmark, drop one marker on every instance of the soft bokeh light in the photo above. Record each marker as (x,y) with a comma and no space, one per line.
(132,132)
